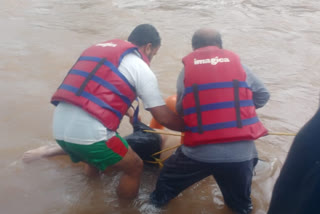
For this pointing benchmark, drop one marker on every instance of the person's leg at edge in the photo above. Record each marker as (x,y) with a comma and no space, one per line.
(42,152)
(55,150)
(179,172)
(91,171)
(132,166)
(116,154)
(234,180)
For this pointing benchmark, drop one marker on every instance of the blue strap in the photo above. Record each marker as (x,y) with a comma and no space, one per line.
(104,84)
(108,64)
(237,102)
(221,105)
(125,53)
(92,98)
(216,85)
(197,107)
(136,113)
(89,77)
(216,126)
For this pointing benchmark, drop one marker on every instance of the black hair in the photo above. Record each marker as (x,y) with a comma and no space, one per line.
(200,40)
(144,34)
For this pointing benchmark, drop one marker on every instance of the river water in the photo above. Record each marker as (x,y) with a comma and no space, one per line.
(40,40)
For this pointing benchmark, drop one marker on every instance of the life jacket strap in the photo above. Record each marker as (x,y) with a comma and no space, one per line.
(89,77)
(136,112)
(198,107)
(237,102)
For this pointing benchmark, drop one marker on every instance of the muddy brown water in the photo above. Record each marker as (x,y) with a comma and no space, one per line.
(40,40)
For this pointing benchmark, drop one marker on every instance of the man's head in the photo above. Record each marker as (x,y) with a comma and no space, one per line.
(206,37)
(147,38)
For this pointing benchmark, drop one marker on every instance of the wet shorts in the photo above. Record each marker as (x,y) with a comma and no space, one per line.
(100,154)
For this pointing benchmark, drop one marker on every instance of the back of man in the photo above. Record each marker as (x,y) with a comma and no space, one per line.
(218,140)
(95,95)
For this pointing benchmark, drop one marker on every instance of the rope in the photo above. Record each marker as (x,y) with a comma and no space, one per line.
(165,133)
(160,162)
(181,134)
(280,133)
(157,161)
(164,150)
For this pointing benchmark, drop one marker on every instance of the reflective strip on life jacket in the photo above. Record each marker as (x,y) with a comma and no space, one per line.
(215,106)
(104,84)
(219,105)
(215,85)
(224,125)
(92,98)
(110,65)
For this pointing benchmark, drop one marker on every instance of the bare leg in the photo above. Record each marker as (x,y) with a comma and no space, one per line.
(90,170)
(132,166)
(42,152)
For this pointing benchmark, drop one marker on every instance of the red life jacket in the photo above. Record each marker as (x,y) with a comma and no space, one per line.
(95,84)
(217,103)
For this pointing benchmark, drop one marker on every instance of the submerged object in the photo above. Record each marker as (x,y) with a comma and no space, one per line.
(145,144)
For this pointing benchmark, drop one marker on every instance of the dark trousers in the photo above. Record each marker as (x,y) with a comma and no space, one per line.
(180,172)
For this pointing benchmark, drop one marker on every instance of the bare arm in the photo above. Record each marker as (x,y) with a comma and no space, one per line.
(167,118)
(130,112)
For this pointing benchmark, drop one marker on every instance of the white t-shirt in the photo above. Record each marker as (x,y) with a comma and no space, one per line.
(74,125)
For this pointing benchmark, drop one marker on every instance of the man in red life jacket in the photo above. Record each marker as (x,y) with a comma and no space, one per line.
(97,92)
(217,97)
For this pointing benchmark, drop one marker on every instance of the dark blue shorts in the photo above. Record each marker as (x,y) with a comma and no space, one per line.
(180,172)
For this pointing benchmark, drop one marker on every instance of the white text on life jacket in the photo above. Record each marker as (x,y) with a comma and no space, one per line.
(212,61)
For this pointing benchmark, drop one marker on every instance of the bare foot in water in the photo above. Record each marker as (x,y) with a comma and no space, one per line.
(42,152)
